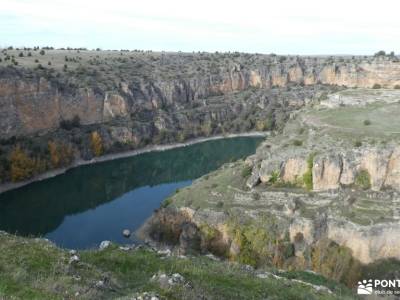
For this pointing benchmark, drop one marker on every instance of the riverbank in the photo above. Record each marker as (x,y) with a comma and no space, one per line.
(113,156)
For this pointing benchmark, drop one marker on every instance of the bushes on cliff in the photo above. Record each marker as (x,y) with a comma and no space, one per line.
(259,242)
(307,177)
(334,261)
(363,179)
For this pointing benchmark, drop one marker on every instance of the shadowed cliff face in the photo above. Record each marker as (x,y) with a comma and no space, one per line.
(37,100)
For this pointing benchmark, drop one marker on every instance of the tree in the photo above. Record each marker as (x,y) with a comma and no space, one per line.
(42,52)
(60,154)
(22,166)
(380,53)
(96,143)
(54,155)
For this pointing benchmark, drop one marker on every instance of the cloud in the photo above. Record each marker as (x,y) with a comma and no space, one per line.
(304,27)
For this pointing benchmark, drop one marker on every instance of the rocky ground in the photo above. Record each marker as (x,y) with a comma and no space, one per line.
(36,269)
(323,195)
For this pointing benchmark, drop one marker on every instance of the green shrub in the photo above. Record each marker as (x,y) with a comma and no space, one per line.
(380,53)
(367,122)
(246,172)
(274,177)
(376,86)
(297,142)
(357,144)
(335,262)
(363,180)
(260,242)
(307,177)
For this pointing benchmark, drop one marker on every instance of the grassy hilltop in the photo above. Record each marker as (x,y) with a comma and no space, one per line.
(36,269)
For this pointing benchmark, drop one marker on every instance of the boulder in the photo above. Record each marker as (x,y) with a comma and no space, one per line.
(126,233)
(104,245)
(254,179)
(74,259)
(268,167)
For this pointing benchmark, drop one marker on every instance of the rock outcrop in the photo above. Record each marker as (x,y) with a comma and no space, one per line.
(332,170)
(368,243)
(326,172)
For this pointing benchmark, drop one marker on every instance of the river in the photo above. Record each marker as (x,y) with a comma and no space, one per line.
(92,203)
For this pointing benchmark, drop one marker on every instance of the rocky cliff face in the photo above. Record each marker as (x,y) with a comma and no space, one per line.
(31,106)
(37,101)
(379,167)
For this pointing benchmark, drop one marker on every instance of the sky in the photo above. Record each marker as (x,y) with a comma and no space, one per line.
(280,26)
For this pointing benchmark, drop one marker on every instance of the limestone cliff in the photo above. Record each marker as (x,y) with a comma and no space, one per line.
(35,100)
(332,170)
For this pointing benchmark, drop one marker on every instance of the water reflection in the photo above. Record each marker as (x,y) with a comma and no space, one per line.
(94,203)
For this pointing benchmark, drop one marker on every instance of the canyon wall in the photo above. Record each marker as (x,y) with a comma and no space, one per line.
(32,104)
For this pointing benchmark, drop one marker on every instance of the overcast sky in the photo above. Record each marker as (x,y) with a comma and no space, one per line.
(281,26)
